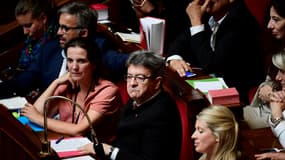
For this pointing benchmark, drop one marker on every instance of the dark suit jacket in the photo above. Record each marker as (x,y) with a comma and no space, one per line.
(150,132)
(42,72)
(238,56)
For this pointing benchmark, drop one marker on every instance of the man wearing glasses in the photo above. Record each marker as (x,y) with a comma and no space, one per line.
(149,127)
(75,20)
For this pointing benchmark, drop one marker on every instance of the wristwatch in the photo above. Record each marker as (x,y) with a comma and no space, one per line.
(275,121)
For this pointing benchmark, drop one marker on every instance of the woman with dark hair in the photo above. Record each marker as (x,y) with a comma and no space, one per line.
(256,114)
(84,84)
(277,20)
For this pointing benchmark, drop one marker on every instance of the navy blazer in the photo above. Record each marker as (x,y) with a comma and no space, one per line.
(238,56)
(150,132)
(43,71)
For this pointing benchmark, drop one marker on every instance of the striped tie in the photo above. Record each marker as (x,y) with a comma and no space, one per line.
(213,36)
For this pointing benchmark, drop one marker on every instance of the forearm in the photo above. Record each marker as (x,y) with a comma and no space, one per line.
(279,132)
(63,127)
(277,122)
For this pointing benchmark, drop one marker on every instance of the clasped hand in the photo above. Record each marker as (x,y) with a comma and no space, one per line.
(267,94)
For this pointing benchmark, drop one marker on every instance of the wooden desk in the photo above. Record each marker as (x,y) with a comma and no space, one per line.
(250,141)
(253,140)
(16,140)
(195,100)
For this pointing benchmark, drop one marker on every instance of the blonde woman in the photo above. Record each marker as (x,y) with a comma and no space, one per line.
(216,134)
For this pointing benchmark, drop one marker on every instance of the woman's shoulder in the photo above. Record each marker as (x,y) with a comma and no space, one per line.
(106,85)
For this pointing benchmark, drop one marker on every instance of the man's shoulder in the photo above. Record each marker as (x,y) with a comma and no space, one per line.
(99,40)
(164,97)
(50,48)
(50,52)
(53,44)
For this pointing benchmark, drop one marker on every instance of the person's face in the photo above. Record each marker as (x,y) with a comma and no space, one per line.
(276,24)
(67,28)
(218,8)
(78,64)
(140,85)
(204,139)
(280,77)
(32,27)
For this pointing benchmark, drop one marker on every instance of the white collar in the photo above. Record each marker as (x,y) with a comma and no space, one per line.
(212,21)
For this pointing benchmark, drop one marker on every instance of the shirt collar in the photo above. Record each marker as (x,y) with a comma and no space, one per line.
(212,21)
(63,54)
(135,103)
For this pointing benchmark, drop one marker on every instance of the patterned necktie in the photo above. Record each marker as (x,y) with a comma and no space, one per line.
(213,36)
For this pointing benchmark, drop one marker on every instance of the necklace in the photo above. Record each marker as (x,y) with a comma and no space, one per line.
(31,49)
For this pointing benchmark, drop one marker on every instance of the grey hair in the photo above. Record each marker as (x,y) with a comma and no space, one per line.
(87,18)
(278,59)
(149,60)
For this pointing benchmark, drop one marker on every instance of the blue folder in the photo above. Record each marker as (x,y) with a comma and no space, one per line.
(25,121)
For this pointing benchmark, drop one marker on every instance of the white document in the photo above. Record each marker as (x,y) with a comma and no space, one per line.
(80,158)
(206,86)
(14,102)
(129,37)
(68,148)
(153,30)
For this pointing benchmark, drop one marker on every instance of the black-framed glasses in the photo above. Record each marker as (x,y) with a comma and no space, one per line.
(138,78)
(65,28)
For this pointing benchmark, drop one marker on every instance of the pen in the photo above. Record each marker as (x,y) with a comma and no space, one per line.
(59,139)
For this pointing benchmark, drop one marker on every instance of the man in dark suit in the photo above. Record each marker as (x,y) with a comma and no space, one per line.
(75,20)
(149,127)
(224,40)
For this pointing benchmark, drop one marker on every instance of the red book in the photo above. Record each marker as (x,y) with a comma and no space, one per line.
(68,147)
(101,9)
(224,96)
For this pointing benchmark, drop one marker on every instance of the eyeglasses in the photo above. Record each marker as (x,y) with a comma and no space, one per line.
(138,78)
(65,29)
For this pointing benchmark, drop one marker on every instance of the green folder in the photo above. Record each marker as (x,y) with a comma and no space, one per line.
(216,79)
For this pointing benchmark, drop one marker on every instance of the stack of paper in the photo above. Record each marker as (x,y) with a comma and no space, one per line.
(68,147)
(14,102)
(152,32)
(216,91)
(204,85)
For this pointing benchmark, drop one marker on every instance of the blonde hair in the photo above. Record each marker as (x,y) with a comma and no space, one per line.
(223,124)
(278,60)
